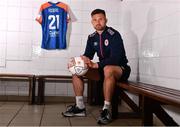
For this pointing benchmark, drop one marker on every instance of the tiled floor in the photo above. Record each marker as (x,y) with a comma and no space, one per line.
(22,114)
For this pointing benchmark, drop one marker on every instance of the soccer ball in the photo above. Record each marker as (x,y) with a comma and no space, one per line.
(77,66)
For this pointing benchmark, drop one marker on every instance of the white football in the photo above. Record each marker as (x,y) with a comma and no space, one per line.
(77,66)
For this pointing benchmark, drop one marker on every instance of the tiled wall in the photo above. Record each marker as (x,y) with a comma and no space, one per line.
(151,31)
(20,40)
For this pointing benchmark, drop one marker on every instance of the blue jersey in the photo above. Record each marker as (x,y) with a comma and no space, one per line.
(53,18)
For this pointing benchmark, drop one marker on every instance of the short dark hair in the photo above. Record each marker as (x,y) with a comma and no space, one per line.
(98,11)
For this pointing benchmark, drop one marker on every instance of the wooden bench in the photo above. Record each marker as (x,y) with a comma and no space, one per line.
(151,98)
(22,77)
(42,79)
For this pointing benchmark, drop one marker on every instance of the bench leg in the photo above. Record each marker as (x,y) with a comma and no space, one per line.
(147,115)
(115,102)
(33,90)
(163,116)
(30,90)
(123,96)
(129,101)
(149,107)
(40,99)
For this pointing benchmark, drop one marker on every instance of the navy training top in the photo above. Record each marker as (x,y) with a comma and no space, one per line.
(108,46)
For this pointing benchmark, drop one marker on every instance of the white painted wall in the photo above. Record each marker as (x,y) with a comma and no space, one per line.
(20,41)
(151,28)
(151,31)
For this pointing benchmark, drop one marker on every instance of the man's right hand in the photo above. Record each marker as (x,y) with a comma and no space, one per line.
(89,63)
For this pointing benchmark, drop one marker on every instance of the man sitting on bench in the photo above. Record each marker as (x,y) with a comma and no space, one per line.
(112,66)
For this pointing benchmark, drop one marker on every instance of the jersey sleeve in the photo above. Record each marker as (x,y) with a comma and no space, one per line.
(39,16)
(71,15)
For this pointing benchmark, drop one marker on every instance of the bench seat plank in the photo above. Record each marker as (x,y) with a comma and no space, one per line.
(151,97)
(159,95)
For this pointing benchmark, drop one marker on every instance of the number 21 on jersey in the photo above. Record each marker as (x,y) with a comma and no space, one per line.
(54,22)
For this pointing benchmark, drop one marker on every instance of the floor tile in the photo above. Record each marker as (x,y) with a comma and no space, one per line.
(3,124)
(23,114)
(5,118)
(9,111)
(54,108)
(83,121)
(27,118)
(54,120)
(24,124)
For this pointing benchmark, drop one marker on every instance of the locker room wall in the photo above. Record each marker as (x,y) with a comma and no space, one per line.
(151,31)
(20,41)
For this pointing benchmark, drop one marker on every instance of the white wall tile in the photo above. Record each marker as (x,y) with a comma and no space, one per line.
(3,2)
(78,15)
(12,45)
(26,26)
(165,8)
(76,5)
(61,89)
(112,18)
(70,90)
(86,17)
(36,4)
(12,37)
(14,2)
(76,28)
(13,25)
(89,5)
(50,89)
(3,24)
(2,55)
(84,40)
(3,37)
(26,13)
(25,52)
(3,10)
(11,88)
(74,51)
(26,3)
(12,52)
(26,37)
(75,40)
(161,27)
(13,12)
(2,62)
(23,89)
(2,88)
(66,1)
(22,67)
(166,46)
(156,29)
(87,29)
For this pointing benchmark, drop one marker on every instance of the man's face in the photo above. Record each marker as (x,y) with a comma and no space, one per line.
(99,21)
